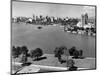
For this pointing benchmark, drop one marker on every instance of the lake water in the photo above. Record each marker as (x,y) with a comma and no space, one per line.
(50,37)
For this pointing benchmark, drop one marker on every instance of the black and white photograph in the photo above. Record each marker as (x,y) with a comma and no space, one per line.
(52,37)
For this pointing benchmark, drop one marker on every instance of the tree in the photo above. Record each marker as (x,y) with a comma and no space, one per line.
(14,54)
(80,53)
(70,64)
(71,50)
(36,53)
(56,52)
(59,51)
(24,50)
(16,51)
(24,55)
(24,58)
(76,54)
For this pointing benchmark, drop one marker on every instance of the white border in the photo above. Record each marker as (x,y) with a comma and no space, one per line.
(5,36)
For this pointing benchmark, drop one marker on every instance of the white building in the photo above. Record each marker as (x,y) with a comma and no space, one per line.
(79,24)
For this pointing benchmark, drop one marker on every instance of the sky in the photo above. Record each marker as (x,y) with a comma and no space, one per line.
(27,9)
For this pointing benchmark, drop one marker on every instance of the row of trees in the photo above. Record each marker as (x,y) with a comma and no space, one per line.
(38,52)
(72,52)
(23,51)
(16,51)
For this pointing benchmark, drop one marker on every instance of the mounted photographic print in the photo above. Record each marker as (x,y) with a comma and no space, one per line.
(52,37)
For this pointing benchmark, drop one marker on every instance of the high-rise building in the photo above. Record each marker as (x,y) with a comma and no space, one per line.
(84,19)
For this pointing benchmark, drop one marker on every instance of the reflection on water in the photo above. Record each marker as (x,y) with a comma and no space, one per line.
(49,37)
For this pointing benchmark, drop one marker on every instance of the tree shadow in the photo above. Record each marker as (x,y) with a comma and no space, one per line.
(26,64)
(73,68)
(40,58)
(78,57)
(63,61)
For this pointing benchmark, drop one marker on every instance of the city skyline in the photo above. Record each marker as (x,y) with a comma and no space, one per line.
(28,9)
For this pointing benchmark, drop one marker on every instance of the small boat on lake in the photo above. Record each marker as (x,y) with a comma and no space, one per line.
(39,27)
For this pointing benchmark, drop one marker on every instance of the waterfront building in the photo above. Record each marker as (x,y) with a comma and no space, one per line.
(79,24)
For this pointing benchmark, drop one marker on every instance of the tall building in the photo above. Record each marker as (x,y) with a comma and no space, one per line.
(84,19)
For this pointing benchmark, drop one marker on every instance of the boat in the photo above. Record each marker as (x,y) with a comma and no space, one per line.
(39,27)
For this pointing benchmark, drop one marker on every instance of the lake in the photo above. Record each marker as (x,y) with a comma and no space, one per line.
(50,37)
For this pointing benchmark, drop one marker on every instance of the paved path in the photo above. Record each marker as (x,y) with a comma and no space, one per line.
(52,64)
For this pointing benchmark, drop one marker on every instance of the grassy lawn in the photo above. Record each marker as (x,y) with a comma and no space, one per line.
(87,63)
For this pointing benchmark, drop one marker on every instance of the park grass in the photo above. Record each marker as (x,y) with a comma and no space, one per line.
(51,61)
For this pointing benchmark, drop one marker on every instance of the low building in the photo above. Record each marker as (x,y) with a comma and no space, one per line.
(79,24)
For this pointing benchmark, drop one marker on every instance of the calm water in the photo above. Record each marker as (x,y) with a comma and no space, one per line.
(50,37)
